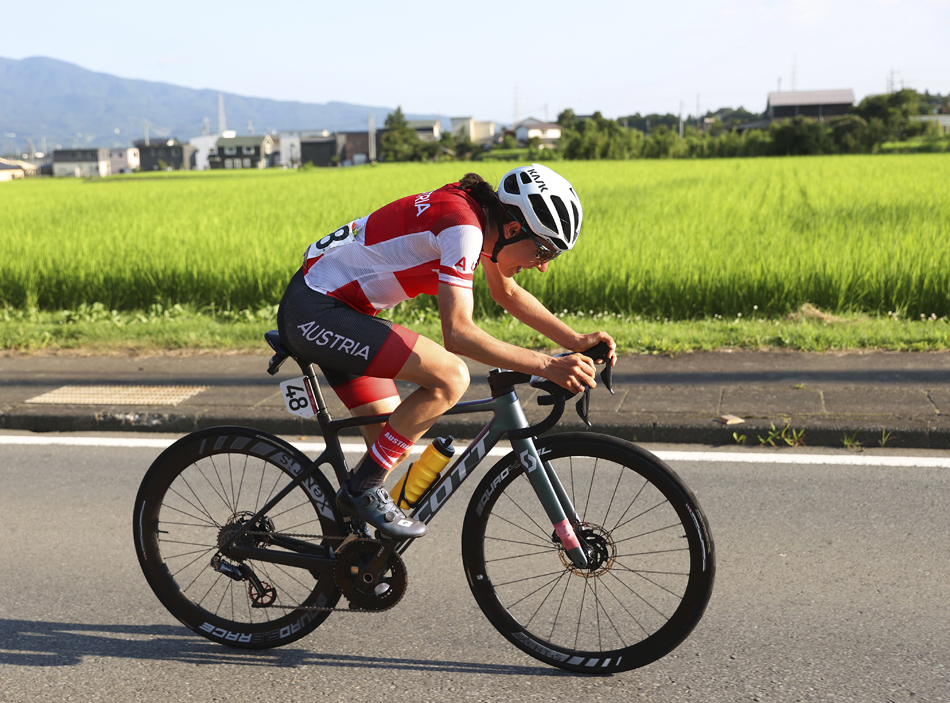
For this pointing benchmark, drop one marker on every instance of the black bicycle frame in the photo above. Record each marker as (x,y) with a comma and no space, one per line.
(508,420)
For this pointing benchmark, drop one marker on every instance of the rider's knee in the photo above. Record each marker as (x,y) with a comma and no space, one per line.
(454,379)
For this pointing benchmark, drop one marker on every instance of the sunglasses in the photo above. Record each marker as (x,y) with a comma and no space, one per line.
(545,252)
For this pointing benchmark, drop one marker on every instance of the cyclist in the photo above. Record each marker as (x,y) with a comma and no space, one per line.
(430,243)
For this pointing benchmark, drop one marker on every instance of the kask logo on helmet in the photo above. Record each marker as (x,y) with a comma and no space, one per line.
(536,177)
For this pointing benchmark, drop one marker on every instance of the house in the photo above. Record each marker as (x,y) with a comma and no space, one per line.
(251,151)
(942,120)
(123,160)
(203,146)
(428,130)
(548,132)
(355,147)
(817,104)
(11,170)
(317,147)
(478,132)
(165,154)
(81,163)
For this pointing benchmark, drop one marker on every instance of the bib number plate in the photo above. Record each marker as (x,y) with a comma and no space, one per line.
(298,398)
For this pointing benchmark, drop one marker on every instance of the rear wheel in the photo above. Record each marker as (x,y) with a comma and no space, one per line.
(651,559)
(198,493)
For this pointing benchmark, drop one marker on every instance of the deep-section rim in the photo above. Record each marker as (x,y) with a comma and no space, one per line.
(174,461)
(661,642)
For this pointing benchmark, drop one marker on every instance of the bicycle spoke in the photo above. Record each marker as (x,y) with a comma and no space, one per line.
(518,556)
(223,492)
(650,532)
(527,578)
(539,588)
(648,580)
(513,502)
(544,600)
(658,611)
(550,546)
(590,489)
(637,517)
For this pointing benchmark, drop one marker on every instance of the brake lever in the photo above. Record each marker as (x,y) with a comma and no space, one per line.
(602,351)
(583,406)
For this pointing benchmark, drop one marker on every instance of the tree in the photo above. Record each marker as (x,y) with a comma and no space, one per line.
(894,110)
(399,142)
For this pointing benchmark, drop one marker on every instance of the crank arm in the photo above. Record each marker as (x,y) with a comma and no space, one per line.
(370,573)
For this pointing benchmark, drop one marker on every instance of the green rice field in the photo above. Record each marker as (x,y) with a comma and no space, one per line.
(675,240)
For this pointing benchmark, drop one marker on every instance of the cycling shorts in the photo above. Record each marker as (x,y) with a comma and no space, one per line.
(358,354)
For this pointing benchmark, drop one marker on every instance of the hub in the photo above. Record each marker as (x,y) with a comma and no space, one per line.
(598,546)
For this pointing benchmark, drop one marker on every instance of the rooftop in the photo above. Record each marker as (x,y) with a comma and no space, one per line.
(812,97)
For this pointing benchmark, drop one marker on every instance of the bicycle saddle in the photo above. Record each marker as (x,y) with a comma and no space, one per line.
(281,352)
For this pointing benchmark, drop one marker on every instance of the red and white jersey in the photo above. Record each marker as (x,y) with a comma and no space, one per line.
(403,249)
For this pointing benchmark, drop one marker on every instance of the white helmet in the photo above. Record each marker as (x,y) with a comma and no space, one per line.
(545,202)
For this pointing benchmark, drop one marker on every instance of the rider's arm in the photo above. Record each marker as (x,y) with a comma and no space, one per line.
(463,337)
(526,308)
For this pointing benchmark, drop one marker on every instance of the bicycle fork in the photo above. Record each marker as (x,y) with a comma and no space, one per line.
(546,485)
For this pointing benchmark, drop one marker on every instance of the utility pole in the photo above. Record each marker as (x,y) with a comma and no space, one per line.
(146,133)
(372,137)
(250,127)
(222,122)
(681,119)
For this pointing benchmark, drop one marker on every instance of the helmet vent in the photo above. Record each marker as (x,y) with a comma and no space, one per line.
(525,178)
(577,218)
(563,216)
(544,214)
(511,185)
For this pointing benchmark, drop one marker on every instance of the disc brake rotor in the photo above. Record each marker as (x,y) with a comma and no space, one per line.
(378,594)
(601,551)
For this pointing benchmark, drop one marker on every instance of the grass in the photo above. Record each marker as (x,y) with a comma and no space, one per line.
(675,256)
(97,329)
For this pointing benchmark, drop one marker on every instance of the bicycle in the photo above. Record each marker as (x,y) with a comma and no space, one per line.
(583,550)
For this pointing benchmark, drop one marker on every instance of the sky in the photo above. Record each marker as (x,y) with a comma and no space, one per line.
(500,63)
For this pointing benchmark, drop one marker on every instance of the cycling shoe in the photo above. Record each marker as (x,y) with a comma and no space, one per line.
(375,507)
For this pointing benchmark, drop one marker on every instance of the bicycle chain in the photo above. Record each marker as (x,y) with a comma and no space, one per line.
(317,607)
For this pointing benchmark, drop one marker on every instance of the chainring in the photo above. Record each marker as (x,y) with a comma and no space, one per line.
(379,595)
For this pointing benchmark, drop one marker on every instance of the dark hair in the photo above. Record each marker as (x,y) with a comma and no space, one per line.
(483,194)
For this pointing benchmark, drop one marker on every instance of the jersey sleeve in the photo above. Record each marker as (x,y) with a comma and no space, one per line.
(460,247)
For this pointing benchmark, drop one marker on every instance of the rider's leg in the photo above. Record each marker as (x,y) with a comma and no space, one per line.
(442,378)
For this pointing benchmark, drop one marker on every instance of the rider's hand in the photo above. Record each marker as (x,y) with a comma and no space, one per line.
(572,372)
(586,341)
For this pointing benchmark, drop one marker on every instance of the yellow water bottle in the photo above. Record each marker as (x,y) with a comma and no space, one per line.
(421,474)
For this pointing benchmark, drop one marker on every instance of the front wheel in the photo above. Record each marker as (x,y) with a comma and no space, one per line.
(198,493)
(651,558)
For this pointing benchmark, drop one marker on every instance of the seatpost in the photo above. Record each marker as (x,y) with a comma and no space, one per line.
(323,415)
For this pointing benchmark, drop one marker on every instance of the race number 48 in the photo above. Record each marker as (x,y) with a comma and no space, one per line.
(298,398)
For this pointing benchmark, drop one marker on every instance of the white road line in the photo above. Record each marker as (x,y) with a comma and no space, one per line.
(674,456)
(810,459)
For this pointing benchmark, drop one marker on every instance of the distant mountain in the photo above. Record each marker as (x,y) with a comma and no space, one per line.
(67,104)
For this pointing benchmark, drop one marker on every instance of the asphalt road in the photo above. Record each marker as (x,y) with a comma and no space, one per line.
(832,585)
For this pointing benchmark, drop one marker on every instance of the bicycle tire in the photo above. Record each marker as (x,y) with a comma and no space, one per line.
(193,491)
(643,592)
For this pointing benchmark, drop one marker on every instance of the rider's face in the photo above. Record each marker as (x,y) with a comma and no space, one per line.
(517,257)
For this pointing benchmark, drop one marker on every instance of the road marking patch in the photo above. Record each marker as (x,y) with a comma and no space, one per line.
(117,395)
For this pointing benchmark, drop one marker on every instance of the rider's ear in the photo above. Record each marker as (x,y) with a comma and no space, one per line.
(512,229)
